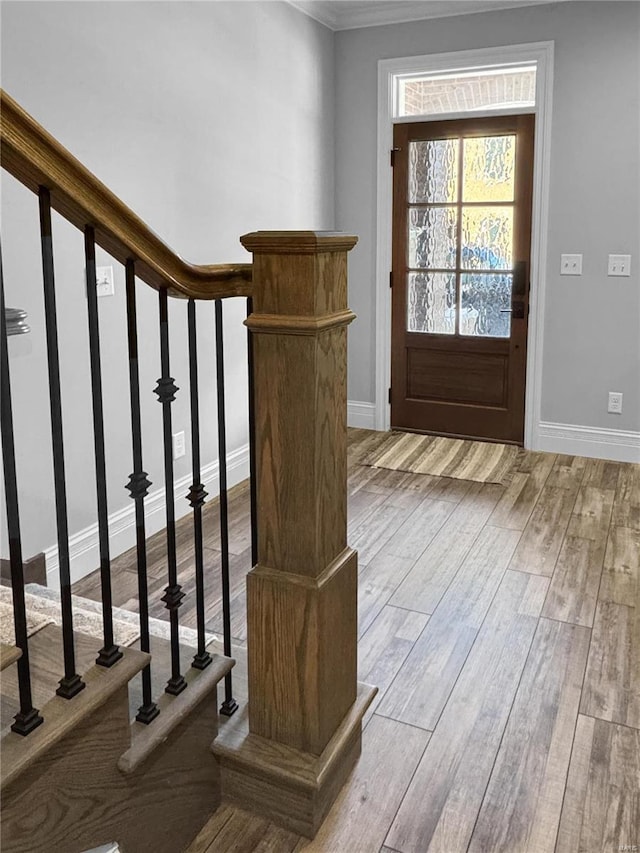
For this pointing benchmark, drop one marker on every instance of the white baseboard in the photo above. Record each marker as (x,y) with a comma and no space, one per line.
(84,546)
(361,415)
(615,444)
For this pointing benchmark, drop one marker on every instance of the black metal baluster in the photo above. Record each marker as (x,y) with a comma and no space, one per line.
(138,487)
(166,390)
(28,718)
(229,706)
(197,493)
(109,653)
(71,683)
(253,486)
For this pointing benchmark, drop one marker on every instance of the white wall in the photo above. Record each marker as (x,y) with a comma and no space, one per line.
(210,120)
(592,323)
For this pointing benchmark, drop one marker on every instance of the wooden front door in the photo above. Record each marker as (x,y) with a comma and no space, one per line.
(461,244)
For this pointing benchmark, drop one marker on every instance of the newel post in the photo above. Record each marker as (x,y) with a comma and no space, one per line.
(305,705)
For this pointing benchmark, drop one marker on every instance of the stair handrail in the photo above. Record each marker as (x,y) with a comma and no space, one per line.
(36,159)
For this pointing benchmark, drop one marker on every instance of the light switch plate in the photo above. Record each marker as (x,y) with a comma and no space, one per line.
(570,264)
(104,281)
(619,265)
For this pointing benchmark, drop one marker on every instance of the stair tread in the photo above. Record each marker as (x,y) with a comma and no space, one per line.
(47,667)
(8,655)
(173,709)
(61,716)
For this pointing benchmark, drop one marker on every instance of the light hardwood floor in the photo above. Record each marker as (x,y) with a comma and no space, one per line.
(502,626)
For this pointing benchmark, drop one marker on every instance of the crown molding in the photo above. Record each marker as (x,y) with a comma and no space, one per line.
(338,15)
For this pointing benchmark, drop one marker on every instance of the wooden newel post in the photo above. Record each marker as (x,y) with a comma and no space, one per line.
(305,705)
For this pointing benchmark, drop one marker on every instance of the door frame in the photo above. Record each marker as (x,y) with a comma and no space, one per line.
(388,71)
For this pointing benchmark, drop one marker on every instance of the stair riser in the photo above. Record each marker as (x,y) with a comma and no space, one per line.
(73,797)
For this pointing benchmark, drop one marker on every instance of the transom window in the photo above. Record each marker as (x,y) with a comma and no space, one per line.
(507,87)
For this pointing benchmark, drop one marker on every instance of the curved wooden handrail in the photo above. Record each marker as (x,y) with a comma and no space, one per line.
(36,159)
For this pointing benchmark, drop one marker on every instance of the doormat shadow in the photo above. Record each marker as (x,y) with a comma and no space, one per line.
(460,459)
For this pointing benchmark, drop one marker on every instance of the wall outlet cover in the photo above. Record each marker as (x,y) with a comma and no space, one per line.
(178,445)
(615,403)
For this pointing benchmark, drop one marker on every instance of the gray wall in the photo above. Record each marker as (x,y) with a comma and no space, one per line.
(592,323)
(210,120)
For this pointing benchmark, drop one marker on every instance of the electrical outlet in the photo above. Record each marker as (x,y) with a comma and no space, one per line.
(178,445)
(619,265)
(615,403)
(104,281)
(570,264)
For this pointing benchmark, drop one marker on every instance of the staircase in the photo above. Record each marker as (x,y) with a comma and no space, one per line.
(91,775)
(110,718)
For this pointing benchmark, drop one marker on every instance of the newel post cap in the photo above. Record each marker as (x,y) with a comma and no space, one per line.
(297,242)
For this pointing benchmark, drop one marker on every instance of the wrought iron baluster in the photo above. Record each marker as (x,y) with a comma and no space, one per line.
(253,487)
(166,390)
(229,706)
(197,494)
(71,683)
(109,653)
(28,718)
(138,487)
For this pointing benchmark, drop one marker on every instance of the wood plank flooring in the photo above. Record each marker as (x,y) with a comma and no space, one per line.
(502,626)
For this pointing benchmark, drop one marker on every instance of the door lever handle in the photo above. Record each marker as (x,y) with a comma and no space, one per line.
(506,310)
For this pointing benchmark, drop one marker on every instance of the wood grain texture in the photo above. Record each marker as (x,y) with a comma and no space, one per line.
(302,653)
(376,584)
(80,799)
(601,809)
(434,570)
(360,816)
(621,573)
(360,506)
(385,646)
(46,665)
(574,587)
(541,540)
(422,687)
(8,655)
(390,482)
(301,403)
(521,808)
(626,509)
(576,580)
(418,531)
(173,710)
(302,595)
(35,158)
(439,810)
(378,528)
(293,788)
(71,784)
(612,681)
(232,828)
(468,730)
(529,475)
(62,716)
(567,472)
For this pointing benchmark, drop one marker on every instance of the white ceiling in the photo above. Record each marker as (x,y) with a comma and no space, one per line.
(351,14)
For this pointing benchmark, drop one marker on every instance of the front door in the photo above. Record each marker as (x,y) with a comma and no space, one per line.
(461,245)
